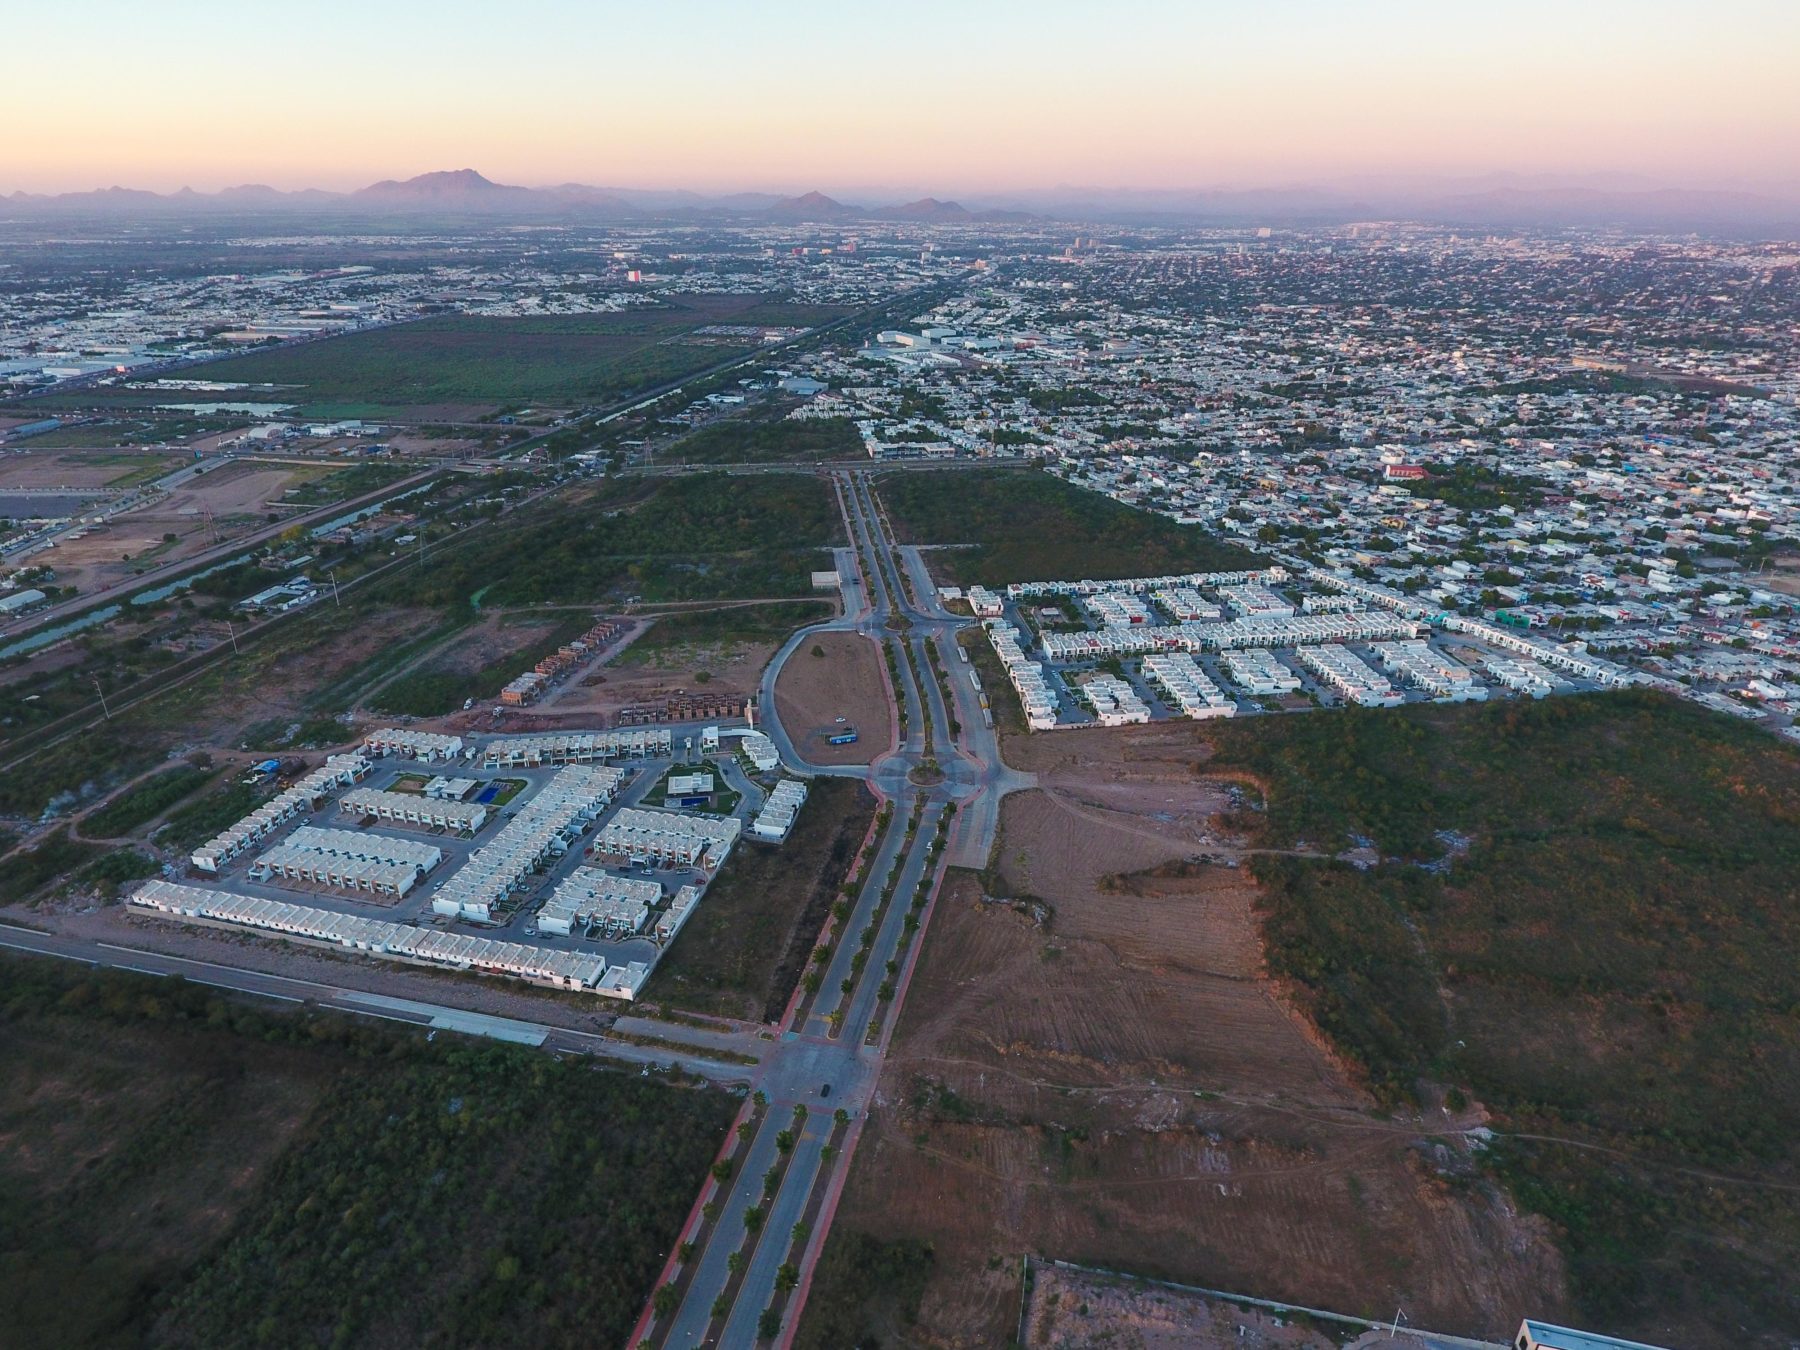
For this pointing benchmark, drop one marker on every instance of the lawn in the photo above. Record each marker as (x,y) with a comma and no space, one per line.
(1586,920)
(744,949)
(1025,525)
(184,1170)
(555,360)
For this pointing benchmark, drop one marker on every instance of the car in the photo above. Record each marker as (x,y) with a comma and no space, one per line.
(824,1091)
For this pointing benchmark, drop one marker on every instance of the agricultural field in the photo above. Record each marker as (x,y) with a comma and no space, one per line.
(1579,921)
(464,367)
(1024,525)
(743,951)
(1093,1063)
(334,1180)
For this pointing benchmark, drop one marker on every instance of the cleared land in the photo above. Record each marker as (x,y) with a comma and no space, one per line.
(477,365)
(1093,1064)
(836,676)
(743,951)
(181,1170)
(1024,525)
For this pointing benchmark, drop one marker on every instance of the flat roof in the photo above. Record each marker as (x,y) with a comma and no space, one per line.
(1568,1338)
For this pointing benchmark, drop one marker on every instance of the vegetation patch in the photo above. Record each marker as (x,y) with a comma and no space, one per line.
(188,1170)
(143,803)
(865,1291)
(1025,525)
(743,950)
(1586,918)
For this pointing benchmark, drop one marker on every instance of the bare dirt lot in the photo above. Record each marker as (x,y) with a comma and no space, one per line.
(832,682)
(1096,1067)
(236,497)
(59,469)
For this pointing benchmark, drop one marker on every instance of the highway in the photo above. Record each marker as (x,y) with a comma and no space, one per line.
(810,1052)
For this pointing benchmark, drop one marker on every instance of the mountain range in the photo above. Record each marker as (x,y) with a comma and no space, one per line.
(1498,201)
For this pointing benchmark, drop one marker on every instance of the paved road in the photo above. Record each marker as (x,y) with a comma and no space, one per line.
(808,1056)
(361,1003)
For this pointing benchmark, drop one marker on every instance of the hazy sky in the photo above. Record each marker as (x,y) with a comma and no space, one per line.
(942,96)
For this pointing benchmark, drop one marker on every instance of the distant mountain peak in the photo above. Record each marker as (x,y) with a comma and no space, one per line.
(436,186)
(811,206)
(927,209)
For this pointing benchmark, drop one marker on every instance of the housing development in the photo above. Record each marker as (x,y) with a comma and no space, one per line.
(787,773)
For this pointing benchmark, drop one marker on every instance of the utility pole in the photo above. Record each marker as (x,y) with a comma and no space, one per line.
(234,647)
(1394,1330)
(98,690)
(332,573)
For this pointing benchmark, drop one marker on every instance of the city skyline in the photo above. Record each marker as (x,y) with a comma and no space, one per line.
(1014,98)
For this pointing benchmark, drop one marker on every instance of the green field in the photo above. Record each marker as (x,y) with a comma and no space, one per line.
(1587,920)
(702,633)
(743,951)
(759,440)
(1025,525)
(183,1170)
(692,537)
(474,361)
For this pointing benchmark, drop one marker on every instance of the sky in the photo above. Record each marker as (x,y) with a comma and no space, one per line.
(969,97)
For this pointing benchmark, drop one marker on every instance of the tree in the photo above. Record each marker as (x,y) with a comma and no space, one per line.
(768,1326)
(665,1300)
(753,1219)
(785,1141)
(735,1263)
(787,1277)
